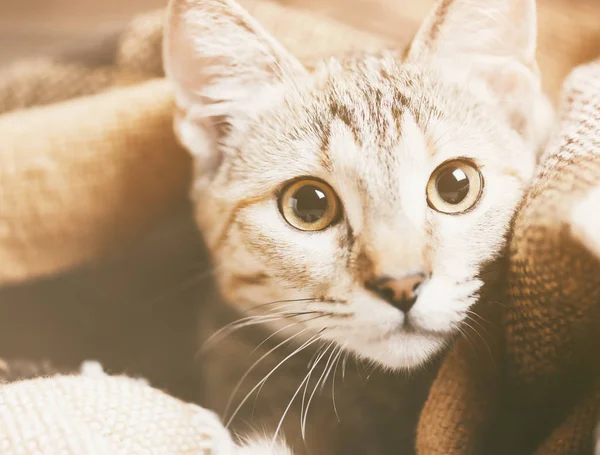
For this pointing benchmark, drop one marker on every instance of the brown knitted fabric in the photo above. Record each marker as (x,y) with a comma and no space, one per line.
(542,393)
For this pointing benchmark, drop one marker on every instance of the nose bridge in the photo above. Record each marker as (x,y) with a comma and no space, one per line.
(395,248)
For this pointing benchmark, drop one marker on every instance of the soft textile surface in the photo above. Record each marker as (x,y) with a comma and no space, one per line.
(64,166)
(96,414)
(533,384)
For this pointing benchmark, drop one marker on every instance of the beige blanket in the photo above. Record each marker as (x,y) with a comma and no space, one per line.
(95,414)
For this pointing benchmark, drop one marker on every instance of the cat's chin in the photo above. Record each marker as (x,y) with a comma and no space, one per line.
(400,351)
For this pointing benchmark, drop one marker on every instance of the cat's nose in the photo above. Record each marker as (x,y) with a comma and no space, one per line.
(399,292)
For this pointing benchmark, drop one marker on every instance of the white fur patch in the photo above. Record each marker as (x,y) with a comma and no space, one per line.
(92,369)
(262,446)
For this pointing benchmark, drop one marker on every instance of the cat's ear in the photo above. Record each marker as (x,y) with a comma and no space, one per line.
(492,40)
(224,66)
(479,28)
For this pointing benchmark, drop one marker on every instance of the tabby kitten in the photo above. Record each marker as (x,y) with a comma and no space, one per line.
(352,206)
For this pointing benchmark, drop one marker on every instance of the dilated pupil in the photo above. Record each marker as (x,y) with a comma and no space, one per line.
(309,203)
(452,185)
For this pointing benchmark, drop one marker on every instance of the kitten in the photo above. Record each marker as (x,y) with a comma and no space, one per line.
(350,207)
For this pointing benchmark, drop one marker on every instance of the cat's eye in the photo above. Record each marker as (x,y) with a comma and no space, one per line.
(454,187)
(309,204)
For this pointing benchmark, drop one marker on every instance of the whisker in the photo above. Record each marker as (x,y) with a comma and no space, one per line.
(264,356)
(291,401)
(481,318)
(304,415)
(358,369)
(281,301)
(337,364)
(502,304)
(312,359)
(482,339)
(226,330)
(465,335)
(303,412)
(344,361)
(247,321)
(284,328)
(307,343)
(328,367)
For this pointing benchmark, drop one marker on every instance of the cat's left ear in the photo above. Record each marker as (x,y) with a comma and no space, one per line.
(492,40)
(225,68)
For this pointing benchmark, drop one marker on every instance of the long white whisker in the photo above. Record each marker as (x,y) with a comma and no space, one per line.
(276,302)
(264,356)
(329,367)
(312,359)
(274,334)
(303,423)
(307,343)
(485,343)
(308,367)
(344,366)
(290,404)
(337,364)
(226,330)
(247,321)
(322,351)
(317,351)
(465,335)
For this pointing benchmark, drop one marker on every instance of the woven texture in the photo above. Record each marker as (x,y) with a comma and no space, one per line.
(102,415)
(533,386)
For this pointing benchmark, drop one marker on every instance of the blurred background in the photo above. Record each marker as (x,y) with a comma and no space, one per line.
(569,29)
(34,27)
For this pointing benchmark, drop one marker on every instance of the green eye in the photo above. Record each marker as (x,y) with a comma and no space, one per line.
(454,187)
(309,205)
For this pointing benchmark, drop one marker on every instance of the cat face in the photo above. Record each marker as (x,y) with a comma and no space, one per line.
(359,201)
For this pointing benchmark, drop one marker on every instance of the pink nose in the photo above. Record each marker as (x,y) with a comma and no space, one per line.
(401,293)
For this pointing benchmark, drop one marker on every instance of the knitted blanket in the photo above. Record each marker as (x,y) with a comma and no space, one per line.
(92,413)
(525,380)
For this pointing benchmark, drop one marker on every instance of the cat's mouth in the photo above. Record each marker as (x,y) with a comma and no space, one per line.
(409,327)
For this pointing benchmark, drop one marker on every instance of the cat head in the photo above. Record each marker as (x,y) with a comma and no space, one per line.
(363,196)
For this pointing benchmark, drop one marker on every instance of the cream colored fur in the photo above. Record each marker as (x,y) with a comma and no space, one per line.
(374,127)
(263,446)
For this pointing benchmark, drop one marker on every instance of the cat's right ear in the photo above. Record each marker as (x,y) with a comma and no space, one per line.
(492,42)
(225,68)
